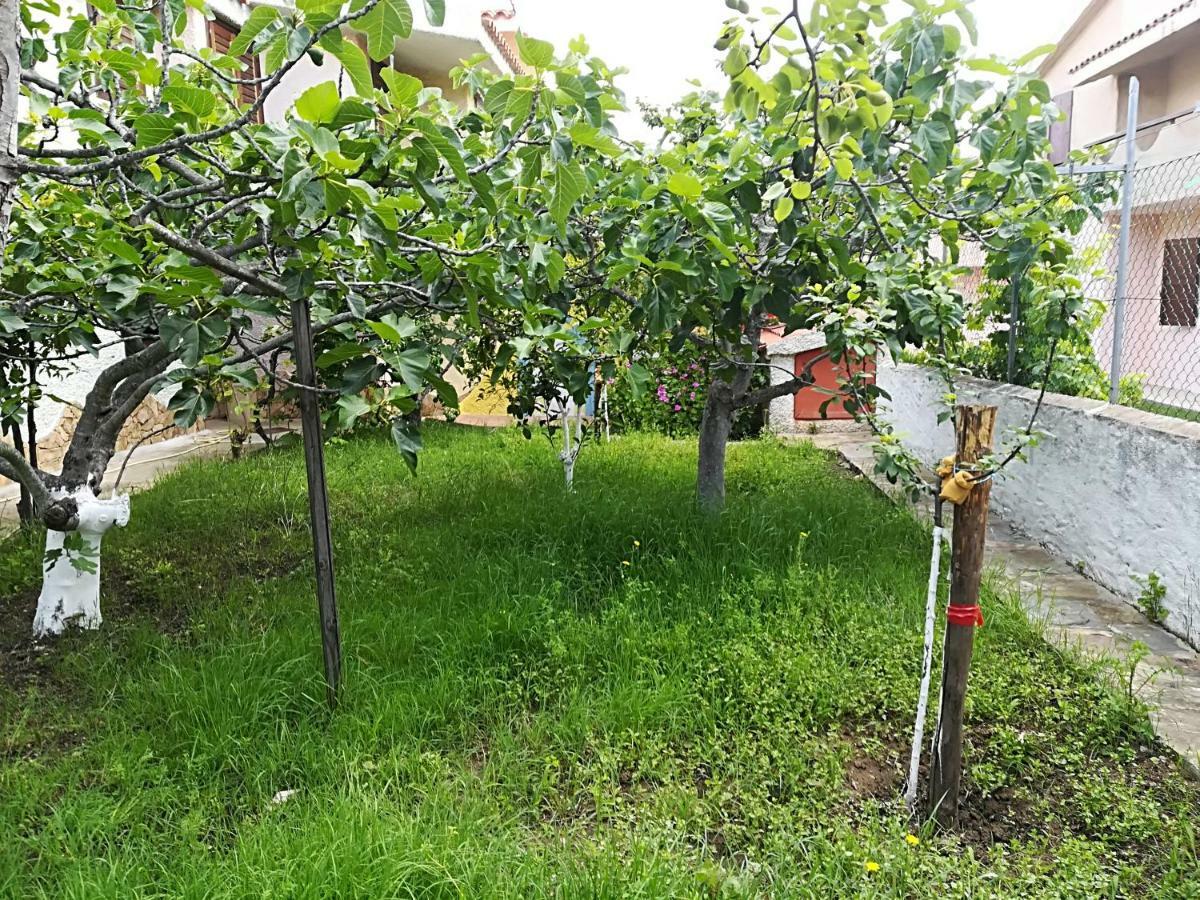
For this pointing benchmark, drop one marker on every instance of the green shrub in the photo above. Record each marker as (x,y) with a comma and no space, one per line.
(674,402)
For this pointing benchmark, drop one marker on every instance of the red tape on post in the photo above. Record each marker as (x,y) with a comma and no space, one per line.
(969,616)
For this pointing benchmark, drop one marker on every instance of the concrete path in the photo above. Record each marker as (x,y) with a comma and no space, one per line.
(1077,612)
(146,464)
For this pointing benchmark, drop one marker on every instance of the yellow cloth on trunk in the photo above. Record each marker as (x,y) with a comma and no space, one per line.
(955,485)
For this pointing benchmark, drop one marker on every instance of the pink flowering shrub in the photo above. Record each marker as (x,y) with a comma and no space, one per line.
(674,402)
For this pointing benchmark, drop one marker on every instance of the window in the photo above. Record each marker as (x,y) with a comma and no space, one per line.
(1180,282)
(220,38)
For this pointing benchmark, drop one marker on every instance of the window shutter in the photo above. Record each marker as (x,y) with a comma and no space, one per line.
(1060,132)
(220,39)
(1180,282)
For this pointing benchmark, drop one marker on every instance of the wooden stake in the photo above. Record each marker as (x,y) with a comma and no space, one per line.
(974,426)
(318,498)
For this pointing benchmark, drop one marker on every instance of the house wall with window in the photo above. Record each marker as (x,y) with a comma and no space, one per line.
(1089,73)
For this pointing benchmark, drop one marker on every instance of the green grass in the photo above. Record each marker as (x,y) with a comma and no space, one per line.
(594,695)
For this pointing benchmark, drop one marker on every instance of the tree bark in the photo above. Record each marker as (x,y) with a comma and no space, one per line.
(25,502)
(715,427)
(974,426)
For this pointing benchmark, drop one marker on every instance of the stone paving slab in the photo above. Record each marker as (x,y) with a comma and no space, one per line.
(1077,612)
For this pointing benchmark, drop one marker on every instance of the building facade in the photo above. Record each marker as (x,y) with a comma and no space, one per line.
(1089,74)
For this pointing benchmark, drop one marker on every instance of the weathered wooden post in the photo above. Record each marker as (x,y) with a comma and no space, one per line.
(318,497)
(974,426)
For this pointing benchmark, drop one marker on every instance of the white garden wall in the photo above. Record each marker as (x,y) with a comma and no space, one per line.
(1113,489)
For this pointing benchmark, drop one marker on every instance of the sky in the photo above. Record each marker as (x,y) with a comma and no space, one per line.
(663,43)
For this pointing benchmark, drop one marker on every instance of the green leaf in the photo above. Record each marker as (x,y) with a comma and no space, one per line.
(411,364)
(351,408)
(407,438)
(1033,54)
(686,185)
(260,17)
(586,135)
(435,12)
(567,186)
(123,250)
(392,333)
(735,61)
(192,100)
(784,208)
(534,53)
(353,60)
(319,103)
(387,22)
(190,403)
(844,167)
(989,65)
(402,88)
(340,354)
(639,378)
(445,147)
(495,101)
(153,129)
(802,190)
(336,195)
(349,112)
(556,267)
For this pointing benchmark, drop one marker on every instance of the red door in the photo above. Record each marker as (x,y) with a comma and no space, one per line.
(827,375)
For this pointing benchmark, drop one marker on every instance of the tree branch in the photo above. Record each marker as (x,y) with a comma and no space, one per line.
(791,386)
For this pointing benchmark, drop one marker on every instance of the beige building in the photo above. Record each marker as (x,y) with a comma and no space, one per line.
(1089,73)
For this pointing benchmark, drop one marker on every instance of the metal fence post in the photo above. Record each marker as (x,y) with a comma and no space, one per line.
(318,498)
(1114,390)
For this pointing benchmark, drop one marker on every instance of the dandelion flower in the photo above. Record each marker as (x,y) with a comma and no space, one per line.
(912,840)
(871,866)
(626,562)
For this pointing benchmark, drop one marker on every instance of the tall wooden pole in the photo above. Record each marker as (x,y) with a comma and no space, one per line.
(318,497)
(974,426)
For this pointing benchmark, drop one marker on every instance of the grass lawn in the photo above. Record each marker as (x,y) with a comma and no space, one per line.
(596,695)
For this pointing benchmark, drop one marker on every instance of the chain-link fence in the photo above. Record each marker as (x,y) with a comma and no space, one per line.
(1159,358)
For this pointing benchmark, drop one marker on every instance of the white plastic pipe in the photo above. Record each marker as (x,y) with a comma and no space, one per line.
(914,762)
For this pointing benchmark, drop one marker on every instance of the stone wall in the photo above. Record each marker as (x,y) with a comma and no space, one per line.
(147,419)
(1113,490)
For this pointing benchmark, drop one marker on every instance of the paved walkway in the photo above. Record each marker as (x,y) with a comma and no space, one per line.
(147,463)
(1078,612)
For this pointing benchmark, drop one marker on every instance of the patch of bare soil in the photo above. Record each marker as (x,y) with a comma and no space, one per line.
(878,763)
(134,589)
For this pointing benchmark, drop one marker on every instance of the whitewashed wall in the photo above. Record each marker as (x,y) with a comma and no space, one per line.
(1113,489)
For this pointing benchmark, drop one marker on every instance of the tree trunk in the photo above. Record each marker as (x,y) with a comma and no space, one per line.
(715,427)
(25,502)
(71,576)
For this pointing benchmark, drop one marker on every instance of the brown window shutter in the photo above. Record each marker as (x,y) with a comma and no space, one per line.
(1060,131)
(1180,282)
(220,38)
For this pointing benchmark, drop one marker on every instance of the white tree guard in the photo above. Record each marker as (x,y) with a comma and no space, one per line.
(70,593)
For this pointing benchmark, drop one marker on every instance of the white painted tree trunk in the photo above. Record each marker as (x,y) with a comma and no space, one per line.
(571,447)
(71,577)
